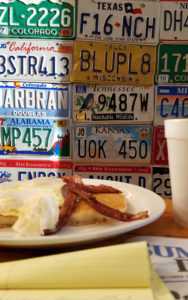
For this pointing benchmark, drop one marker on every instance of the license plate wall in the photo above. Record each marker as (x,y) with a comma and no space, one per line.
(161,181)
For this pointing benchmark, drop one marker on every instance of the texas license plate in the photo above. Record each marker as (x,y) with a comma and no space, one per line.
(118,21)
(28,99)
(159,147)
(161,182)
(112,63)
(35,136)
(171,102)
(107,103)
(42,19)
(172,63)
(112,144)
(35,61)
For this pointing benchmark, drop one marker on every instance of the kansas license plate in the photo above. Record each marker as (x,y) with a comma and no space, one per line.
(118,21)
(107,103)
(171,102)
(161,182)
(112,63)
(28,99)
(35,136)
(172,63)
(159,147)
(112,144)
(35,61)
(42,19)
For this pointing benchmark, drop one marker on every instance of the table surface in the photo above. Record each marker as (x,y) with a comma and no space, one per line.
(164,226)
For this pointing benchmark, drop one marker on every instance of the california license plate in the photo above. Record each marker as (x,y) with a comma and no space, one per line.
(161,182)
(112,144)
(107,103)
(112,63)
(159,147)
(42,19)
(28,99)
(35,136)
(35,61)
(118,21)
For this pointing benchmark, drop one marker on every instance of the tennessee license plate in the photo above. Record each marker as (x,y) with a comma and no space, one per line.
(118,21)
(42,19)
(35,136)
(161,182)
(112,144)
(171,102)
(159,147)
(25,169)
(107,103)
(35,61)
(28,99)
(113,63)
(138,175)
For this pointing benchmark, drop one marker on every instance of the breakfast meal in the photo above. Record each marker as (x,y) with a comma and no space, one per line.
(42,206)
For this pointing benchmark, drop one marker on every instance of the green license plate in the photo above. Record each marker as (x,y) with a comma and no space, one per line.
(172,63)
(44,19)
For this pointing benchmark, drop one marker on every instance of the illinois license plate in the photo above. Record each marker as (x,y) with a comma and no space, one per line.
(112,63)
(107,103)
(28,99)
(171,102)
(35,136)
(42,19)
(35,61)
(161,182)
(159,147)
(112,144)
(118,21)
(172,63)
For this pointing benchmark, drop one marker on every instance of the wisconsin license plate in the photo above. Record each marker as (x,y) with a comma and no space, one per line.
(159,147)
(35,61)
(107,103)
(118,21)
(161,182)
(35,136)
(171,102)
(112,63)
(112,144)
(42,19)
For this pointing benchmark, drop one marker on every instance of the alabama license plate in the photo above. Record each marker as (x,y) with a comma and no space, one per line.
(161,181)
(107,103)
(112,144)
(42,19)
(159,147)
(35,136)
(28,99)
(35,61)
(171,102)
(113,63)
(118,21)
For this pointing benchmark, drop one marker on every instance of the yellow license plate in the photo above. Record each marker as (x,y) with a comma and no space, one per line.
(112,63)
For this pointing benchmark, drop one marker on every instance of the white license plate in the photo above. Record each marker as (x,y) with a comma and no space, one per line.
(118,21)
(36,61)
(161,181)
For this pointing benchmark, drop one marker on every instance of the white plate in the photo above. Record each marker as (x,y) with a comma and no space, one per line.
(138,199)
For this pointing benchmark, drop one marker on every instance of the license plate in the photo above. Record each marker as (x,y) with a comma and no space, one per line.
(113,63)
(171,102)
(138,175)
(118,22)
(107,103)
(25,169)
(159,152)
(112,144)
(172,63)
(161,182)
(36,61)
(35,136)
(28,99)
(44,19)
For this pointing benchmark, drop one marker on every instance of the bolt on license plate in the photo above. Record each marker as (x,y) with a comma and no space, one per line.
(159,147)
(113,63)
(118,21)
(42,19)
(35,136)
(108,103)
(112,144)
(161,181)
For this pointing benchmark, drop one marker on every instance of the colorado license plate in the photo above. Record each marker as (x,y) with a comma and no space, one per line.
(35,136)
(28,99)
(111,63)
(118,21)
(107,103)
(159,147)
(35,61)
(112,144)
(44,19)
(161,182)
